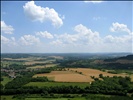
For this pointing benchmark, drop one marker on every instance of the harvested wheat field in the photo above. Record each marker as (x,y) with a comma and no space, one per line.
(94,72)
(74,75)
(66,76)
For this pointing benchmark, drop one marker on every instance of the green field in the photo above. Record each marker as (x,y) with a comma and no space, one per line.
(6,97)
(47,99)
(7,63)
(57,99)
(6,80)
(49,84)
(131,76)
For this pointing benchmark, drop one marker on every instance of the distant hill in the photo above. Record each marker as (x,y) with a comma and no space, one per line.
(14,55)
(128,57)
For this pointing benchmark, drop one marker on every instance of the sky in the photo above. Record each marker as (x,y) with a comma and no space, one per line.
(66,26)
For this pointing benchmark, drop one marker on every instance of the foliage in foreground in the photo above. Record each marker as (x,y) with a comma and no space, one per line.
(108,85)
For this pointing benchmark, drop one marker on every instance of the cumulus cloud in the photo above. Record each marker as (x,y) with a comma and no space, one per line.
(117,27)
(118,39)
(8,29)
(45,34)
(90,40)
(83,36)
(29,40)
(38,13)
(88,34)
(4,40)
(57,42)
(8,41)
(82,40)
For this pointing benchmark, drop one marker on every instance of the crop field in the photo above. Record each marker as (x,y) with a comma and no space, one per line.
(94,72)
(6,80)
(49,84)
(40,62)
(6,97)
(66,76)
(48,99)
(22,59)
(7,63)
(42,66)
(76,75)
(131,76)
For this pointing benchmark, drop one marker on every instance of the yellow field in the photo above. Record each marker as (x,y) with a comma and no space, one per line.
(131,76)
(94,72)
(66,76)
(73,75)
(24,59)
(45,66)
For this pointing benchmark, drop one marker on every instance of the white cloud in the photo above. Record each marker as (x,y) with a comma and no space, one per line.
(29,40)
(4,40)
(85,39)
(117,27)
(93,1)
(56,42)
(87,34)
(67,38)
(13,38)
(45,34)
(8,42)
(38,13)
(8,29)
(82,36)
(118,39)
(82,40)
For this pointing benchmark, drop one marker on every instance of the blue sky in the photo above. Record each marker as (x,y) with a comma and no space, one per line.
(66,26)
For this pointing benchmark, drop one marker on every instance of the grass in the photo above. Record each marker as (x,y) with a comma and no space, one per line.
(49,84)
(7,63)
(131,76)
(6,80)
(47,99)
(81,98)
(6,97)
(42,66)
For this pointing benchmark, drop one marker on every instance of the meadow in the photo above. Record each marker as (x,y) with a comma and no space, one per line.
(52,84)
(5,80)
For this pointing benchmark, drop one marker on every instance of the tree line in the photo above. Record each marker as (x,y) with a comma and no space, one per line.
(106,85)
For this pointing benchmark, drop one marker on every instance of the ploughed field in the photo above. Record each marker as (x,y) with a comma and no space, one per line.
(76,75)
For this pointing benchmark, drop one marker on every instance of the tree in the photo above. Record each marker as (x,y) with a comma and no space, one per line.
(100,75)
